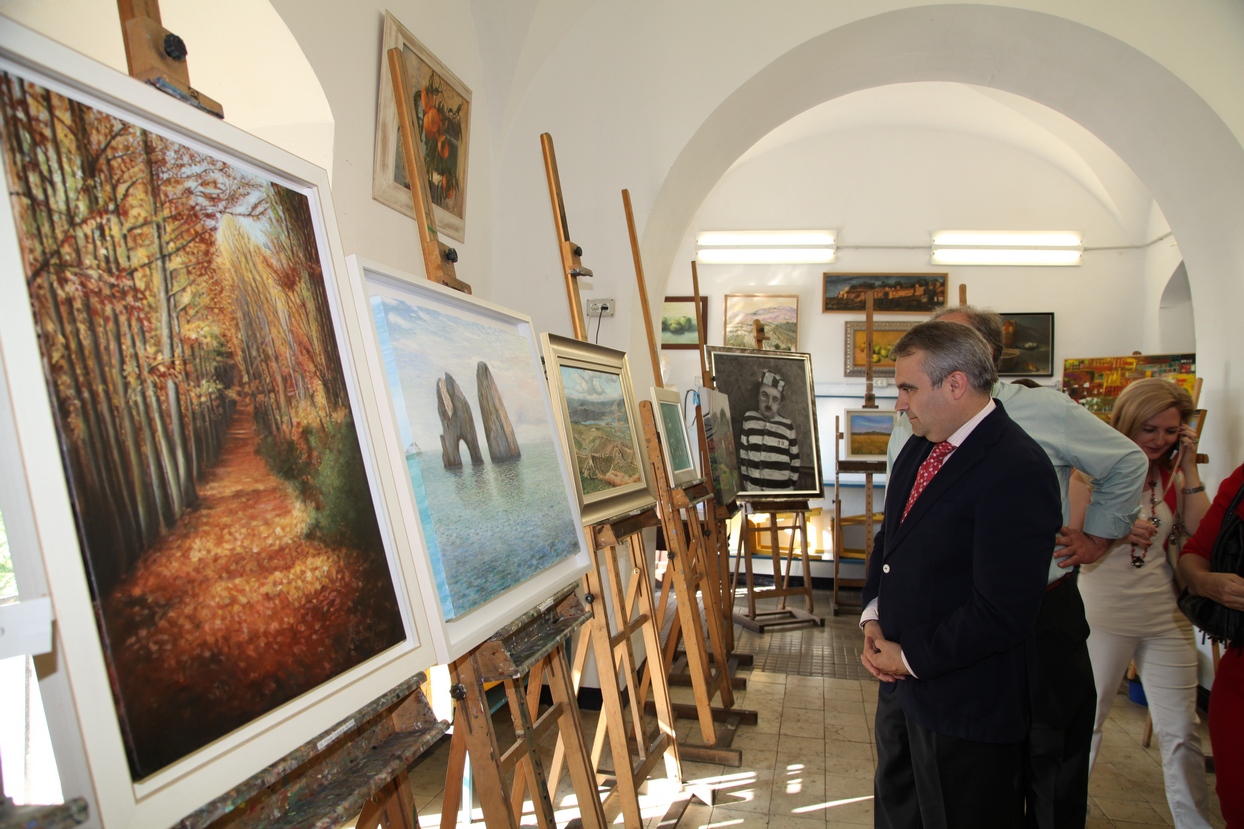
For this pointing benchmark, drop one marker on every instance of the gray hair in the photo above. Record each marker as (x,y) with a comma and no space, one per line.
(987,323)
(949,347)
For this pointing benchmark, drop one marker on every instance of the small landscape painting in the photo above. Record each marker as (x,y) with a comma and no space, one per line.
(674,438)
(599,426)
(480,450)
(858,355)
(893,293)
(867,433)
(678,325)
(778,313)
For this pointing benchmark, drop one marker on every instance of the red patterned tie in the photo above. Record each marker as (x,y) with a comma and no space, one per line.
(928,469)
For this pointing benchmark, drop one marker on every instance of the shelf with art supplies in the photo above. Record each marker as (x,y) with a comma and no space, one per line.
(771,402)
(604,442)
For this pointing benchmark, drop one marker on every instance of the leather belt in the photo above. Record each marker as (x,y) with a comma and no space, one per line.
(1064,579)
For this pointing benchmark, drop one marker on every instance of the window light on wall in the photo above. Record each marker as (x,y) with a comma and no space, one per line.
(765,247)
(1007,247)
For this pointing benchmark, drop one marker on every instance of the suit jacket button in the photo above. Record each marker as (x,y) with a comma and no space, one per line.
(885,568)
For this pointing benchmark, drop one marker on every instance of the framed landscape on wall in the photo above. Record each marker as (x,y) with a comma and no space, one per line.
(442,109)
(857,355)
(866,433)
(197,458)
(678,325)
(893,293)
(1027,345)
(472,440)
(778,312)
(599,425)
(773,413)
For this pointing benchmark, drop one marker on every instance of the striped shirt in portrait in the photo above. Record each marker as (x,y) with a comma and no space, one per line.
(768,453)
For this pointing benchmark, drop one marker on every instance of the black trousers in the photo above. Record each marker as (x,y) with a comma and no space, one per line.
(927,780)
(1064,705)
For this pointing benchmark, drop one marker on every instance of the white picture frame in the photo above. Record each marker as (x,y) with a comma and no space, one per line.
(423,520)
(37,480)
(386,186)
(866,433)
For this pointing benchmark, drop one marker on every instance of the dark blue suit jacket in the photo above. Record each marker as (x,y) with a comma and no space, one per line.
(960,581)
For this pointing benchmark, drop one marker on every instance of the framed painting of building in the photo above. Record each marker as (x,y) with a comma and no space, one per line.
(675,442)
(599,426)
(442,109)
(773,412)
(678,322)
(857,354)
(194,445)
(866,433)
(778,312)
(473,449)
(1027,345)
(893,293)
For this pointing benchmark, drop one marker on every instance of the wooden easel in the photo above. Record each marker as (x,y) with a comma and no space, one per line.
(532,647)
(783,616)
(691,570)
(869,517)
(438,258)
(338,774)
(157,56)
(635,751)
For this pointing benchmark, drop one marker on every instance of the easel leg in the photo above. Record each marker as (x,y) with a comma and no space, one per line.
(451,803)
(481,745)
(390,808)
(592,815)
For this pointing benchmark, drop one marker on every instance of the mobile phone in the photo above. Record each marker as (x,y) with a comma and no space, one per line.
(1197,421)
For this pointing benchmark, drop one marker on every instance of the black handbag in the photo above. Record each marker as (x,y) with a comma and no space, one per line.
(1219,622)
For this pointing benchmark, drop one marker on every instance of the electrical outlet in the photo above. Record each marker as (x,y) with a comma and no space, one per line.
(600,308)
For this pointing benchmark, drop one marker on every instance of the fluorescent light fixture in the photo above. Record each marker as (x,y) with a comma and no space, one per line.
(1006,239)
(765,256)
(1007,247)
(765,247)
(1006,256)
(764,238)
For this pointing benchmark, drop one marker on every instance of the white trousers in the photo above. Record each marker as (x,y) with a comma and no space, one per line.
(1167,665)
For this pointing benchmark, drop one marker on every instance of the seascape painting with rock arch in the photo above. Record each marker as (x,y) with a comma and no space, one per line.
(480,447)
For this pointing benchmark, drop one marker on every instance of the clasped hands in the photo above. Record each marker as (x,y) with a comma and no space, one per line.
(882,658)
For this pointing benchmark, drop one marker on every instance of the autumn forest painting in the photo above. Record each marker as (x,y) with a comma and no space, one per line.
(222,505)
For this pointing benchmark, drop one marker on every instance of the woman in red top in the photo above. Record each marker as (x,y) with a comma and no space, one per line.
(1226,709)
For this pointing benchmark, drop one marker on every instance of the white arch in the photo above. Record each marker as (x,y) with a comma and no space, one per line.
(1167,134)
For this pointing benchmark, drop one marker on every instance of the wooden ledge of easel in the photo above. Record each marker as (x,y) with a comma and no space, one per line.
(763,505)
(322,786)
(610,533)
(873,467)
(690,495)
(514,650)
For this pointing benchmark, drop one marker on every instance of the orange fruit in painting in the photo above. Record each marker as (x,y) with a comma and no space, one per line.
(442,147)
(432,123)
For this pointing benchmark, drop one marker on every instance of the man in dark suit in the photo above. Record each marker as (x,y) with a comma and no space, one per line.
(954,585)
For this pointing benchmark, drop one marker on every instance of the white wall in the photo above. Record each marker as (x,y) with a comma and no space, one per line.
(893,186)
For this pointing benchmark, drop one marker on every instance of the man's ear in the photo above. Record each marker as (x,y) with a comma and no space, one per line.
(958,382)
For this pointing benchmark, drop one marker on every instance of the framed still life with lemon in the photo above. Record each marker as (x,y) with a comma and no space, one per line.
(443,115)
(885,335)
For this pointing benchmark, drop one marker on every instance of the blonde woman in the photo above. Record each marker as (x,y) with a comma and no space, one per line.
(1129,593)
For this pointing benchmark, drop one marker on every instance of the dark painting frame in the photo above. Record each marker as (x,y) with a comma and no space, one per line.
(902,293)
(684,309)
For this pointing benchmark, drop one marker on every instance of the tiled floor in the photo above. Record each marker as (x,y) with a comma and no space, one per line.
(809,760)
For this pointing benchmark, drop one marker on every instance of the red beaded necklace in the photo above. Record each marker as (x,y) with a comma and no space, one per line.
(1138,558)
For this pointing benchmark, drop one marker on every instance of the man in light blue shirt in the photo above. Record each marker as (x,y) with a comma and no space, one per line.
(1063,693)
